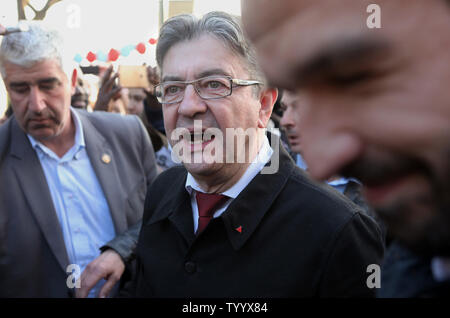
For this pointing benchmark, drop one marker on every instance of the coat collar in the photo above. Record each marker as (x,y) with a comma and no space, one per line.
(176,206)
(244,214)
(105,166)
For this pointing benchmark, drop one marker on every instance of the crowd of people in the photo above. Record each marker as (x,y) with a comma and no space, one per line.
(361,156)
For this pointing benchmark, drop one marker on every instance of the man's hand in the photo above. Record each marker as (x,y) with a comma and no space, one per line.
(152,75)
(108,90)
(108,265)
(153,78)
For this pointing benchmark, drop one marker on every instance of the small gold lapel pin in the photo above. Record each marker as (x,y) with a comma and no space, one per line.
(106,158)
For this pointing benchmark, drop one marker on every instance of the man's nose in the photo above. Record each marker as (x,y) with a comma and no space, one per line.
(192,103)
(131,104)
(286,120)
(327,155)
(36,100)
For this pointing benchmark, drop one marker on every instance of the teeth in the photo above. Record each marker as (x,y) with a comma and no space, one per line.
(208,138)
(200,138)
(196,138)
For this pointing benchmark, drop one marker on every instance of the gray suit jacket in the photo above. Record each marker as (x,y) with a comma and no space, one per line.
(33,257)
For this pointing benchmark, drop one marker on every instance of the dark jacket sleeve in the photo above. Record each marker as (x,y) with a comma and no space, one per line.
(357,245)
(129,284)
(125,244)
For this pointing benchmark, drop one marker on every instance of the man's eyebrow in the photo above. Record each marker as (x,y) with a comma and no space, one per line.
(170,78)
(49,80)
(17,84)
(340,56)
(215,71)
(210,72)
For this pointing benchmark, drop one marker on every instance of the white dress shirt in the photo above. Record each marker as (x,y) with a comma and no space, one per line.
(78,199)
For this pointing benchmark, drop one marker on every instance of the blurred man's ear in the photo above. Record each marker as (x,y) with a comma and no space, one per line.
(268,98)
(73,80)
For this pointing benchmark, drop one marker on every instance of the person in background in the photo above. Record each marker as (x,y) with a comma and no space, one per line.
(135,105)
(109,91)
(152,107)
(129,100)
(119,103)
(291,105)
(72,182)
(80,98)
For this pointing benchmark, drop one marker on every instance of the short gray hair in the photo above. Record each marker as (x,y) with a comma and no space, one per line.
(27,48)
(221,25)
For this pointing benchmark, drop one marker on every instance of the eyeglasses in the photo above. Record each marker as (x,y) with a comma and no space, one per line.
(210,87)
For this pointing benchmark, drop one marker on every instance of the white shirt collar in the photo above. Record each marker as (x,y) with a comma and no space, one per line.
(263,156)
(336,182)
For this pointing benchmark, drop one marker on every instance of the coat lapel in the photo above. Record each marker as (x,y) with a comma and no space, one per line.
(36,192)
(245,213)
(103,162)
(176,207)
(181,217)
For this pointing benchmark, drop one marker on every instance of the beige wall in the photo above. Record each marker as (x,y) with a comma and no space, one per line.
(180,6)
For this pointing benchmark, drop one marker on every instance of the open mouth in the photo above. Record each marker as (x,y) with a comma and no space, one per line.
(200,137)
(198,141)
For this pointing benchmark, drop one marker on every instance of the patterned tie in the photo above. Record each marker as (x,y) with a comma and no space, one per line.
(207,204)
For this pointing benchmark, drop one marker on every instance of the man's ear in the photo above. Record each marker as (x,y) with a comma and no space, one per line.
(73,80)
(267,99)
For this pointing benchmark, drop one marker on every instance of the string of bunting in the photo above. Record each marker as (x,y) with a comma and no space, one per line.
(114,54)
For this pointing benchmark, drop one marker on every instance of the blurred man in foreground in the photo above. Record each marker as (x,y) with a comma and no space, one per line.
(378,107)
(291,105)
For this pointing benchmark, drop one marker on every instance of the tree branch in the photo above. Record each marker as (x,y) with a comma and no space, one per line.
(40,15)
(32,8)
(21,9)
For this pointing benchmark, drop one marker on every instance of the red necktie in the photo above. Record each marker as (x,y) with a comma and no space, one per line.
(207,204)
